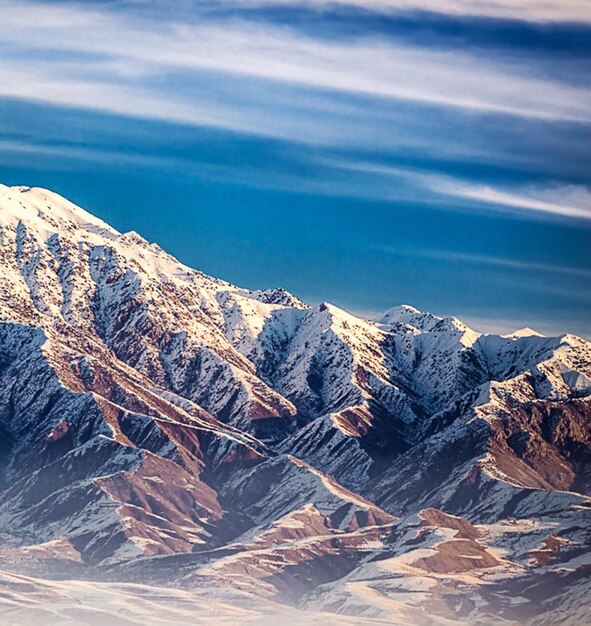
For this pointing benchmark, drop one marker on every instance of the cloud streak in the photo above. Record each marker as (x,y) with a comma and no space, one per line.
(506,263)
(551,202)
(542,11)
(543,278)
(557,200)
(128,61)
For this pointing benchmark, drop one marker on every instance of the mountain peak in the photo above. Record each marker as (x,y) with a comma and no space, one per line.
(526,331)
(408,315)
(402,310)
(47,213)
(278,296)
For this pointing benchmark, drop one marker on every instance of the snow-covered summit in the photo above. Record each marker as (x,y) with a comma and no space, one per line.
(48,213)
(405,314)
(524,332)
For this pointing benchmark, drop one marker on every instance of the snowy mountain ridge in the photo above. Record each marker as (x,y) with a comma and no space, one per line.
(163,426)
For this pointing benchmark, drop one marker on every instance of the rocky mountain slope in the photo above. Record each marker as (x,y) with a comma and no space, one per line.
(167,434)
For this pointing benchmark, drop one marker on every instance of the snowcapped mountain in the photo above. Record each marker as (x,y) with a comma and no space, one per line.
(260,457)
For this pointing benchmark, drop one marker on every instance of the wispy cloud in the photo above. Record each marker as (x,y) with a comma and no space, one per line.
(564,200)
(128,61)
(371,182)
(552,200)
(560,283)
(506,263)
(527,10)
(471,259)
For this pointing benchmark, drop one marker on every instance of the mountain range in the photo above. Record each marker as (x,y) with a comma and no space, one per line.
(178,450)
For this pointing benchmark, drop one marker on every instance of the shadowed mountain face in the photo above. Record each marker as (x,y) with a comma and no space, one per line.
(240,456)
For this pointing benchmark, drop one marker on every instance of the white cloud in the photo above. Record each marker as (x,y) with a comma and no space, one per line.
(107,60)
(526,10)
(564,200)
(560,200)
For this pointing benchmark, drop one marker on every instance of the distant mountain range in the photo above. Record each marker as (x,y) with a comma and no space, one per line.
(178,450)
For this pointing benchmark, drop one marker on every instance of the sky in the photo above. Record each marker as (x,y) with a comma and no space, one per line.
(365,152)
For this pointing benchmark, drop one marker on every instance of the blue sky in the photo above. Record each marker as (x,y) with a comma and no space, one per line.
(365,152)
